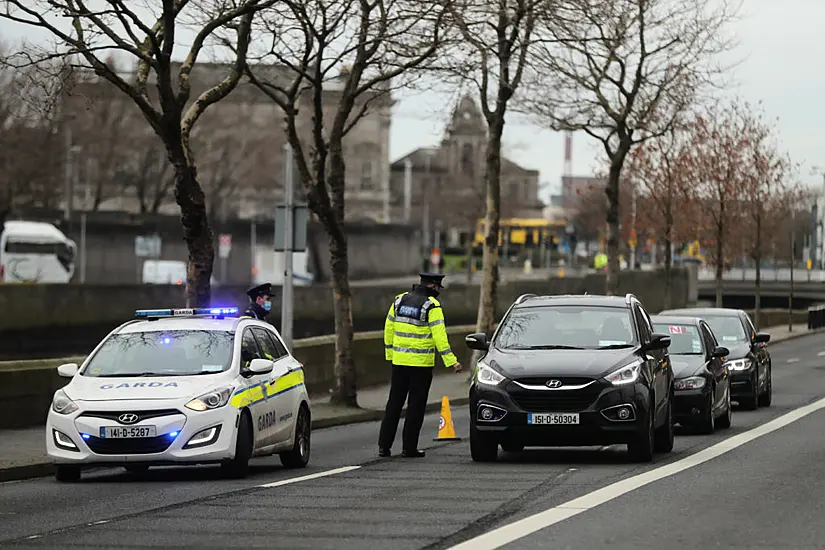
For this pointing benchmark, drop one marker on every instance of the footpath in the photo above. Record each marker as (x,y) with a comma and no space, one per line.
(23,451)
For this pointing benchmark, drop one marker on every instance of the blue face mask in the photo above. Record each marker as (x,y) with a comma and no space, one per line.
(267,306)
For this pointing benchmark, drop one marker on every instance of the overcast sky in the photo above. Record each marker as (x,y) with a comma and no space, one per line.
(783,55)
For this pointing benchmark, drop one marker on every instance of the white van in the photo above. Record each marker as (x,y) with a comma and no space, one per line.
(35,252)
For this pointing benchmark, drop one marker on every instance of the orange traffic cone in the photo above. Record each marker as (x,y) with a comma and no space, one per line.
(446,429)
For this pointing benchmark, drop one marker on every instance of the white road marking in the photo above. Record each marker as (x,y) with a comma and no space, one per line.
(821,353)
(520,529)
(794,360)
(310,476)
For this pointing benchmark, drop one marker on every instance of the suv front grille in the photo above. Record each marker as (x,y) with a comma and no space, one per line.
(555,400)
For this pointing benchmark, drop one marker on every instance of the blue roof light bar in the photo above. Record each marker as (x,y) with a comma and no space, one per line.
(188,312)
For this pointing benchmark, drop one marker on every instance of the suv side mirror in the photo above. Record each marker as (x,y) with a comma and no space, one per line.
(68,370)
(720,352)
(762,338)
(477,340)
(657,342)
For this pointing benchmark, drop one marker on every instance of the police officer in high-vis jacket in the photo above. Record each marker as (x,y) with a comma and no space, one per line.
(260,298)
(413,332)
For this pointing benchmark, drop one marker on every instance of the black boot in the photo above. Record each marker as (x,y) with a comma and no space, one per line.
(384,452)
(413,454)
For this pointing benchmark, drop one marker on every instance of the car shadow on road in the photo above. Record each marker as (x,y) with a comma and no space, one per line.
(572,456)
(179,474)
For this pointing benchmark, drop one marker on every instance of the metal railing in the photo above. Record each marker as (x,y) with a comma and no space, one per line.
(782,274)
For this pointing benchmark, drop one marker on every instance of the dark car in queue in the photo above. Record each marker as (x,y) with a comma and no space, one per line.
(749,360)
(701,384)
(572,371)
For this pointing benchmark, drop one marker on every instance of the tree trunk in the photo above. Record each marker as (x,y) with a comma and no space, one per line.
(346,388)
(613,232)
(197,233)
(757,257)
(668,270)
(489,283)
(720,261)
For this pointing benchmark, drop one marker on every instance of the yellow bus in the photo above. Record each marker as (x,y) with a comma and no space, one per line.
(524,232)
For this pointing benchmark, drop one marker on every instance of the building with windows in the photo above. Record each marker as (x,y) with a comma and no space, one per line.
(238,146)
(445,188)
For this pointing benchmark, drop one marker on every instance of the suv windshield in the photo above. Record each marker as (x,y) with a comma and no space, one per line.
(684,339)
(727,329)
(163,353)
(566,327)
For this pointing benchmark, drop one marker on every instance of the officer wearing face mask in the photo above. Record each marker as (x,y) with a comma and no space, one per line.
(261,302)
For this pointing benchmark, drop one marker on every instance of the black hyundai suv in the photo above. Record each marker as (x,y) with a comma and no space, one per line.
(572,371)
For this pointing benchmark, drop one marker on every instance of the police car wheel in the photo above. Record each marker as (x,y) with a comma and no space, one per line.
(238,467)
(66,473)
(298,457)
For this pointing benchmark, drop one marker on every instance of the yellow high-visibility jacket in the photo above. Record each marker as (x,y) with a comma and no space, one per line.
(414,330)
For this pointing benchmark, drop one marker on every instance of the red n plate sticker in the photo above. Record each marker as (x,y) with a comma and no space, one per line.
(676,330)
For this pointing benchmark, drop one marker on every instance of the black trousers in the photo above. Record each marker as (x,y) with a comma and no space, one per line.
(415,382)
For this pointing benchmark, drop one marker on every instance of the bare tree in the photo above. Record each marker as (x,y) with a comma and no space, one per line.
(659,173)
(625,72)
(149,37)
(496,44)
(145,172)
(767,193)
(30,156)
(376,42)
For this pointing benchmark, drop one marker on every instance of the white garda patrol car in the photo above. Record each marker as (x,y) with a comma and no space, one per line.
(181,386)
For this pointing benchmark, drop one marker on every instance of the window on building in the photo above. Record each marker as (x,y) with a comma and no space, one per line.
(467,160)
(367,176)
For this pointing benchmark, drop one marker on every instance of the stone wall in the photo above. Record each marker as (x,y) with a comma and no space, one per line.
(58,320)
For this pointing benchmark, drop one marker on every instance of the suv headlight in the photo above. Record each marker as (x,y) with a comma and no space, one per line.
(215,399)
(691,383)
(739,364)
(486,375)
(625,375)
(61,404)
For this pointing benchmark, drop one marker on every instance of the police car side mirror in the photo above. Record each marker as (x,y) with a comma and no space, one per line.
(68,370)
(477,341)
(260,366)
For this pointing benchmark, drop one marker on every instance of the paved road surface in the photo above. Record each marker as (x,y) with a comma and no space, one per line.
(760,489)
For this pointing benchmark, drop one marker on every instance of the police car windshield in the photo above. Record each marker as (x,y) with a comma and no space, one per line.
(684,339)
(566,327)
(162,353)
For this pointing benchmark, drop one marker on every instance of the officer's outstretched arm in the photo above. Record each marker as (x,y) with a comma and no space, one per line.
(435,317)
(389,332)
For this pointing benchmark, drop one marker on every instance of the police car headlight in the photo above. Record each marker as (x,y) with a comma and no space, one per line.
(486,375)
(625,375)
(212,400)
(61,404)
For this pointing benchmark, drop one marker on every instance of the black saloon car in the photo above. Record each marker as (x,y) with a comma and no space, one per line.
(572,371)
(749,361)
(701,385)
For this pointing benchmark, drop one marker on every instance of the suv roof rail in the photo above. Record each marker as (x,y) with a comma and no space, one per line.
(524,297)
(628,298)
